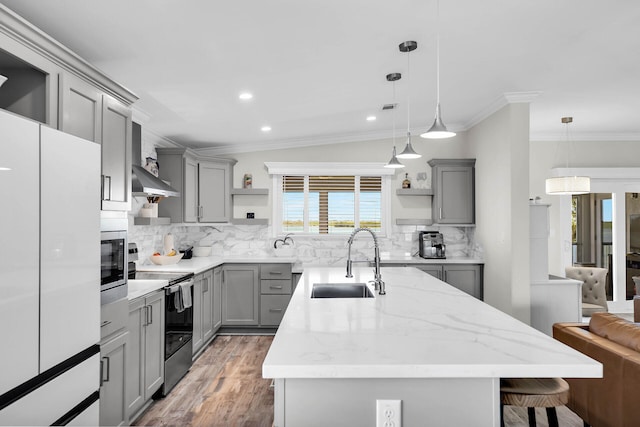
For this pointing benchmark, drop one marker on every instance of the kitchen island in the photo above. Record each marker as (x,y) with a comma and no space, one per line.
(439,350)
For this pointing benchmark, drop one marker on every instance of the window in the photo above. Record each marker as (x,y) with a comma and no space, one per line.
(329,204)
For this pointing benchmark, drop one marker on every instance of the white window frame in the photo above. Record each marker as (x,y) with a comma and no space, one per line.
(278,169)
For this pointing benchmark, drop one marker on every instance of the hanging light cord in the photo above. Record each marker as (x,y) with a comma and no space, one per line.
(394,114)
(438,52)
(408,94)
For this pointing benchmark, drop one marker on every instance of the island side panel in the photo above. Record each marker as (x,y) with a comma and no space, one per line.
(352,402)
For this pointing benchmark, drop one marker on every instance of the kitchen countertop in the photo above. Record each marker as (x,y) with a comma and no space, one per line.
(419,260)
(138,288)
(422,328)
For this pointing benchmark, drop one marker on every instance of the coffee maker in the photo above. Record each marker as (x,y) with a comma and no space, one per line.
(431,245)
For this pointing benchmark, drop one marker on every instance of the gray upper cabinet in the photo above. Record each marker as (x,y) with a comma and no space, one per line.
(454,191)
(204,185)
(54,85)
(116,155)
(88,113)
(80,108)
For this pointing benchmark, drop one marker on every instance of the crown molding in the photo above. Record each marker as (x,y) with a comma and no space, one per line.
(584,136)
(499,103)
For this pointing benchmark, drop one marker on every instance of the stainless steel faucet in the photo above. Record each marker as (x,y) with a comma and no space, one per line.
(378,283)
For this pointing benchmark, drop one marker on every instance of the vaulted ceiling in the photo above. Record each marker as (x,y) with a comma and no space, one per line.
(317,69)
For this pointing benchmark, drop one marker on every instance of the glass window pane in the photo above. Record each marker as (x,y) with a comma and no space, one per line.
(370,208)
(341,212)
(314,212)
(293,212)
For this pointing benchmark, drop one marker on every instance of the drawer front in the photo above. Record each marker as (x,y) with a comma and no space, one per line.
(275,271)
(275,286)
(113,317)
(272,308)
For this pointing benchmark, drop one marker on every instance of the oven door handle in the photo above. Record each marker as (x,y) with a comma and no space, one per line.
(173,289)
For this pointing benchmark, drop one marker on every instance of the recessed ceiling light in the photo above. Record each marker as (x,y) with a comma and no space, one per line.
(3,168)
(245,96)
(371,118)
(265,128)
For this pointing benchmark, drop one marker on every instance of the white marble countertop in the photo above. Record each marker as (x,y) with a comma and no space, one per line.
(138,288)
(422,328)
(199,264)
(418,260)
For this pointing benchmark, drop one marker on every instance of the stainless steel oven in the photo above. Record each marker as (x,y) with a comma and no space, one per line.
(113,261)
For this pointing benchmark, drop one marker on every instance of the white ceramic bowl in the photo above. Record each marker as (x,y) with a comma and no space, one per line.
(202,251)
(166,260)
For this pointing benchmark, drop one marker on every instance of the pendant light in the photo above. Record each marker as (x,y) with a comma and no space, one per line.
(566,185)
(394,163)
(438,130)
(408,152)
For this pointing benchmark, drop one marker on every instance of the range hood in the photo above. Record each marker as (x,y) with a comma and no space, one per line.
(143,182)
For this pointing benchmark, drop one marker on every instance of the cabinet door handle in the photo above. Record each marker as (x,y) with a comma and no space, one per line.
(104,370)
(440,213)
(150,320)
(275,310)
(275,287)
(275,272)
(106,191)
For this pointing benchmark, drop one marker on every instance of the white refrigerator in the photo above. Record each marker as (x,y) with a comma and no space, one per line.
(49,274)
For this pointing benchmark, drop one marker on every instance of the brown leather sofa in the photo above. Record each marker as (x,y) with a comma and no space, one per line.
(615,342)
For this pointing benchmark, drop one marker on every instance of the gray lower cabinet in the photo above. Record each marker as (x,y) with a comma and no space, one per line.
(217,299)
(434,270)
(466,277)
(202,310)
(145,358)
(113,409)
(240,294)
(275,292)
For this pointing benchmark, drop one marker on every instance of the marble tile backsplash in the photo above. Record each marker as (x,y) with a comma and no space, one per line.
(249,241)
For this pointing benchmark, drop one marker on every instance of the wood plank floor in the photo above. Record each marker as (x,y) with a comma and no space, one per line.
(225,388)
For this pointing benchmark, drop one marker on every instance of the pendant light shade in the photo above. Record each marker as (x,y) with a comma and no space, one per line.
(567,185)
(408,152)
(438,130)
(394,163)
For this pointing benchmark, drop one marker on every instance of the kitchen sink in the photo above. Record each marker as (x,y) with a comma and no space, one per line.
(341,290)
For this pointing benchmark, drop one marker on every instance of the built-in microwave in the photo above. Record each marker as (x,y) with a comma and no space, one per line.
(113,265)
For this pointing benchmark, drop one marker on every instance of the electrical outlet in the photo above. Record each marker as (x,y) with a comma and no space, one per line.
(388,413)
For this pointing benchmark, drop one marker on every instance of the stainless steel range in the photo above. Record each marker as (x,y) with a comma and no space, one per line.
(178,322)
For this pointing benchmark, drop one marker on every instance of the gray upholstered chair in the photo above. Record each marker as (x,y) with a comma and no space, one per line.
(594,296)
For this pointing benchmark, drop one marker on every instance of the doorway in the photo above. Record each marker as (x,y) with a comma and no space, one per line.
(592,233)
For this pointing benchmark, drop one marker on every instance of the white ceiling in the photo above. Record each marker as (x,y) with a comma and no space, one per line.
(317,67)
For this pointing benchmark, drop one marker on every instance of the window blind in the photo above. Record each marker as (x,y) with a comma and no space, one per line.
(331,203)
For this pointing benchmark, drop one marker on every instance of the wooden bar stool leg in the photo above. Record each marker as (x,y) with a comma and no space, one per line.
(532,416)
(552,416)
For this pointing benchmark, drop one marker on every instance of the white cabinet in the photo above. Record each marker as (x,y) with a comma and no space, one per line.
(204,184)
(145,358)
(240,295)
(42,240)
(19,252)
(69,305)
(454,191)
